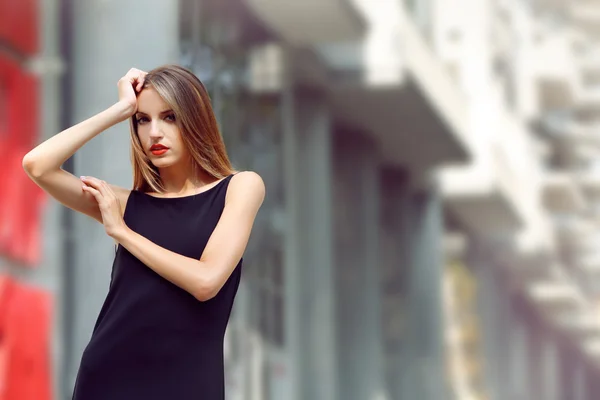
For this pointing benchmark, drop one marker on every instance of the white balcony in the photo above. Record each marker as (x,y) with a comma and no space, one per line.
(575,233)
(566,131)
(571,141)
(588,100)
(562,194)
(585,134)
(591,348)
(497,191)
(589,181)
(550,5)
(590,263)
(588,245)
(556,296)
(555,72)
(393,86)
(588,63)
(310,21)
(528,264)
(583,324)
(586,15)
(481,197)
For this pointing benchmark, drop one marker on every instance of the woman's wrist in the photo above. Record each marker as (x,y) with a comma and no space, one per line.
(122,110)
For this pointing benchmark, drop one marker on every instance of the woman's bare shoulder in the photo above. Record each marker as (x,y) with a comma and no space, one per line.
(247,185)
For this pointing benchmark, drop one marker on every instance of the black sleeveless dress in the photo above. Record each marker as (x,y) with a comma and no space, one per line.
(153,340)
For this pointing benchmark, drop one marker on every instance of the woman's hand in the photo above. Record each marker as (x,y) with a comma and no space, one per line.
(108,203)
(129,85)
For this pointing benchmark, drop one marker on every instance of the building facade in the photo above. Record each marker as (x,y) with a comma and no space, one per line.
(429,221)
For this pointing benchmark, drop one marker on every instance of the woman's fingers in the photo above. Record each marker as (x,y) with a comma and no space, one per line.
(97,195)
(141,78)
(106,190)
(97,184)
(137,78)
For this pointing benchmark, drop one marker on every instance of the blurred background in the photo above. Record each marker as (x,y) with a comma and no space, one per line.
(431,225)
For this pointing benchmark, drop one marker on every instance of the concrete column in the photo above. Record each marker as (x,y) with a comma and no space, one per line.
(356,218)
(536,359)
(504,335)
(395,259)
(518,374)
(489,319)
(109,37)
(499,326)
(573,375)
(424,372)
(503,343)
(310,288)
(544,361)
(579,385)
(592,385)
(550,365)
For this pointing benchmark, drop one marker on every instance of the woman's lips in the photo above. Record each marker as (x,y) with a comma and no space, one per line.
(158,149)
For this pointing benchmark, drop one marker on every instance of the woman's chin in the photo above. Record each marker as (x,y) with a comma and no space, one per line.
(161,162)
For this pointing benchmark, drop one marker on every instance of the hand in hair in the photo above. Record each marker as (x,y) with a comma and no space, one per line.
(129,85)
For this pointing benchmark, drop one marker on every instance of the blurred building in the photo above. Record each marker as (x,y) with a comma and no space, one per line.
(432,187)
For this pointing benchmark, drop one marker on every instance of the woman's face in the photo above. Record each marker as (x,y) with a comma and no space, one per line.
(158,130)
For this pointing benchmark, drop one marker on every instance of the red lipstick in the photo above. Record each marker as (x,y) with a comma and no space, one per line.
(158,149)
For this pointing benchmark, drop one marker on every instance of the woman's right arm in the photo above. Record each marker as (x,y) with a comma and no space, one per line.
(44,163)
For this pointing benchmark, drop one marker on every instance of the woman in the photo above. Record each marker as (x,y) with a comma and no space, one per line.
(181,234)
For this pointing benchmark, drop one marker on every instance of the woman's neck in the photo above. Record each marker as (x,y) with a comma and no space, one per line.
(184,183)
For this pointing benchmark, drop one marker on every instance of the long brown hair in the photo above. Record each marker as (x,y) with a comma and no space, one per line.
(190,102)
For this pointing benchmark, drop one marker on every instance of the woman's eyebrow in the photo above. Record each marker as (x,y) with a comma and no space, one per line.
(161,113)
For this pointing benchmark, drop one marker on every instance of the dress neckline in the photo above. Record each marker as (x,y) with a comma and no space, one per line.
(190,195)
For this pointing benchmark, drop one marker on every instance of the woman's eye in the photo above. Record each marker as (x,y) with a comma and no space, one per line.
(170,117)
(141,120)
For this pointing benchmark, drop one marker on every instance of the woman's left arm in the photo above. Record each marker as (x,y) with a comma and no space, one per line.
(202,278)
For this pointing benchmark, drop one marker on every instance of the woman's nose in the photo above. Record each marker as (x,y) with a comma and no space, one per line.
(155,130)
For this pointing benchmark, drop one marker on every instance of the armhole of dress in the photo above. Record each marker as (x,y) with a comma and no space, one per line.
(241,262)
(229,178)
(128,205)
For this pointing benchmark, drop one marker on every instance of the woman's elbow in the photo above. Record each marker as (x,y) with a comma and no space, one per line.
(204,289)
(31,166)
(204,295)
(28,164)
